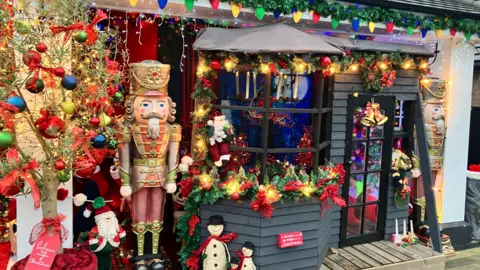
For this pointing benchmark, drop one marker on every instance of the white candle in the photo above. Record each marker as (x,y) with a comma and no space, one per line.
(247,91)
(295,89)
(411,226)
(404,227)
(285,86)
(254,85)
(396,226)
(279,85)
(237,83)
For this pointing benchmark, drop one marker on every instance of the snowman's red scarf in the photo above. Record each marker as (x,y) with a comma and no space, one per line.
(192,262)
(242,259)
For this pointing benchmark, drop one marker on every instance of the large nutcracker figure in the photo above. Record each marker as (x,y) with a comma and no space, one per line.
(148,157)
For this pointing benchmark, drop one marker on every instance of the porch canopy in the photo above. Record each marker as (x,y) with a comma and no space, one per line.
(272,38)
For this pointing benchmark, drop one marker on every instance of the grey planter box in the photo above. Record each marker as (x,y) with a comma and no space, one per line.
(304,215)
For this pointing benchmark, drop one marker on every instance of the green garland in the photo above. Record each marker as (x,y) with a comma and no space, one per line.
(366,14)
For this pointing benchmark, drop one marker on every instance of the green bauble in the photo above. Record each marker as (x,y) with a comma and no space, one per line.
(6,139)
(189,4)
(23,27)
(335,23)
(410,30)
(468,36)
(81,36)
(260,13)
(63,176)
(112,144)
(118,96)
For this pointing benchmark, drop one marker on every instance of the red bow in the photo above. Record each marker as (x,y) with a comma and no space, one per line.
(331,192)
(45,224)
(192,223)
(262,205)
(57,29)
(192,262)
(9,180)
(80,139)
(242,258)
(90,29)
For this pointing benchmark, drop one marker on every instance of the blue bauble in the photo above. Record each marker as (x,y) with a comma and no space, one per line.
(276,14)
(69,82)
(18,102)
(99,142)
(424,32)
(162,3)
(355,24)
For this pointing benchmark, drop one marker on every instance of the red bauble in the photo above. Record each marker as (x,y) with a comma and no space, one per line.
(206,185)
(215,64)
(62,194)
(214,4)
(235,196)
(326,61)
(49,126)
(59,165)
(453,32)
(32,59)
(59,72)
(316,17)
(95,121)
(390,26)
(41,47)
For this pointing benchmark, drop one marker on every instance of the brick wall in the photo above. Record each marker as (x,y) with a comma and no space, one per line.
(476,90)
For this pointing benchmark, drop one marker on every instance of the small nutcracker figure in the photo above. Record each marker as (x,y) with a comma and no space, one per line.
(246,257)
(106,236)
(214,248)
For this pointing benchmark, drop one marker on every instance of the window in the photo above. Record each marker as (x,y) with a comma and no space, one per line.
(275,127)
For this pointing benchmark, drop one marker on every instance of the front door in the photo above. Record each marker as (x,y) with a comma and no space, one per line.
(368,154)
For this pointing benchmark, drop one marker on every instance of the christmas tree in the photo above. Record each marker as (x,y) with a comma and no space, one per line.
(59,95)
(304,160)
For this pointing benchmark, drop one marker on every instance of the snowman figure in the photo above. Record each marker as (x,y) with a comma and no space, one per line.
(216,251)
(246,262)
(235,263)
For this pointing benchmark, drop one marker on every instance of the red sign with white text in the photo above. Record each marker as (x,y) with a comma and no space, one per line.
(44,252)
(291,239)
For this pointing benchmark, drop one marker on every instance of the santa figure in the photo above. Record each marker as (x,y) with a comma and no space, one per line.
(246,260)
(221,134)
(106,235)
(235,263)
(214,249)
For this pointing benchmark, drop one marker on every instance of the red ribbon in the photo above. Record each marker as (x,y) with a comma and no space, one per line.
(262,205)
(331,192)
(56,225)
(192,262)
(192,223)
(8,107)
(80,139)
(57,29)
(9,180)
(242,258)
(90,29)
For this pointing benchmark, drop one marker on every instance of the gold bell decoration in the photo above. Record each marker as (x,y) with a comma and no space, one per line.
(373,116)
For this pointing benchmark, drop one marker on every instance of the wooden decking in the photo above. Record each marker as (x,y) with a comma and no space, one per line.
(384,255)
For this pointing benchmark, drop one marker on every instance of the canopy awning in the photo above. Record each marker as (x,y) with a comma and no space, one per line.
(272,38)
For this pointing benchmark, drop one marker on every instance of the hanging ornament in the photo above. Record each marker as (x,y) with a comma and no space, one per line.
(41,47)
(22,27)
(297,16)
(36,87)
(18,102)
(59,165)
(236,9)
(189,4)
(69,82)
(355,24)
(32,59)
(276,14)
(63,176)
(373,116)
(468,36)
(94,121)
(335,23)
(214,4)
(59,72)
(390,26)
(260,12)
(6,139)
(105,120)
(316,17)
(112,144)
(326,61)
(453,32)
(48,125)
(118,96)
(371,27)
(410,30)
(424,32)
(81,37)
(68,107)
(133,2)
(99,142)
(235,196)
(162,3)
(439,32)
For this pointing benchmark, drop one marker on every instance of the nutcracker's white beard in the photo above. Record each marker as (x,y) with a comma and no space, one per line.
(107,228)
(153,128)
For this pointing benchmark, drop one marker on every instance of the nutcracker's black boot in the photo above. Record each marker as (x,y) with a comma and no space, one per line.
(158,264)
(141,265)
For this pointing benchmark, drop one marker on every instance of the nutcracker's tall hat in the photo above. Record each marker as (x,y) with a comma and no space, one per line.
(149,77)
(434,92)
